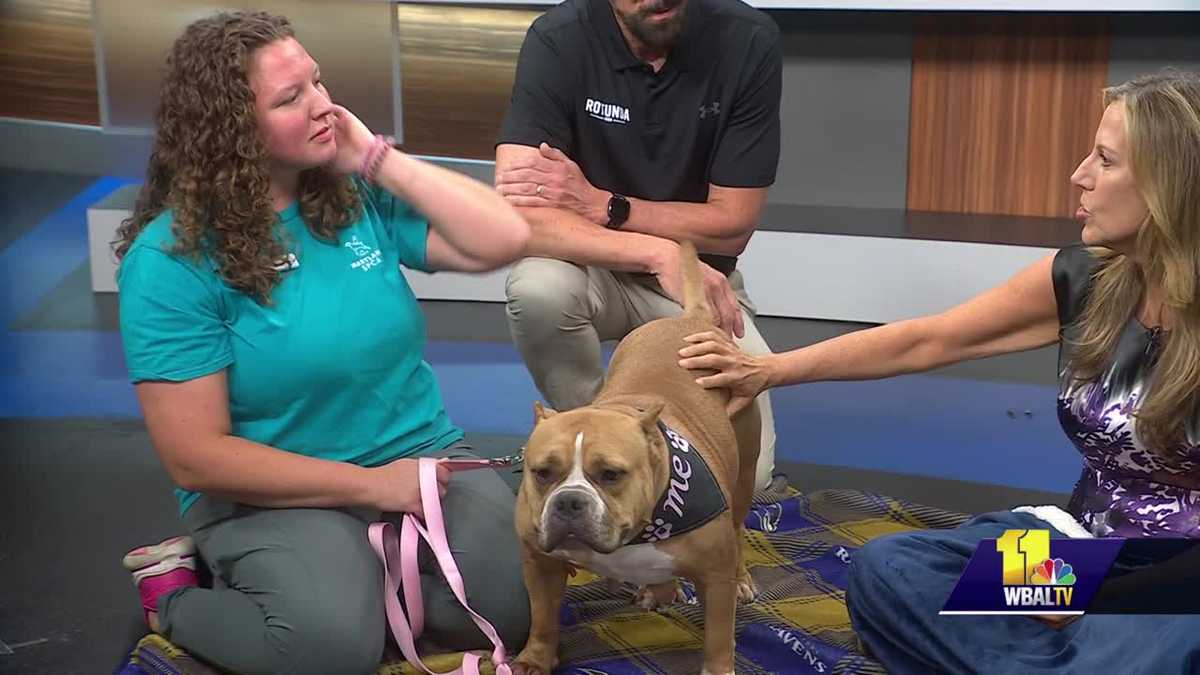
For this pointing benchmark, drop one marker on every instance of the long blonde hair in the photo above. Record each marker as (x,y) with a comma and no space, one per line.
(1162,124)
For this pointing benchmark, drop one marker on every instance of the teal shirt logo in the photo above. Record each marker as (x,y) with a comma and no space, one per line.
(368,257)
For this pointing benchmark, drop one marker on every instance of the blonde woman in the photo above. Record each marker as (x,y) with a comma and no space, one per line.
(1125,308)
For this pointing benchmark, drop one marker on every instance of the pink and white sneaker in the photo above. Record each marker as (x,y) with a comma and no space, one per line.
(162,568)
(175,547)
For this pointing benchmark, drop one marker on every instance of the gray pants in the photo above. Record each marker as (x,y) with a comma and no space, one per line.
(559,312)
(301,591)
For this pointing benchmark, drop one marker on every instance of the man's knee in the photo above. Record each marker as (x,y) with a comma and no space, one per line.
(542,290)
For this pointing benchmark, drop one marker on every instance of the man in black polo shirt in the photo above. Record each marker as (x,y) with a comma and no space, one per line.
(635,124)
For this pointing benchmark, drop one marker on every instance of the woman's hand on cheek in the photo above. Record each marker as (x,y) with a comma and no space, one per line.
(354,140)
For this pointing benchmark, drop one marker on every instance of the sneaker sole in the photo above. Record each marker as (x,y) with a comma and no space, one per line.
(164,567)
(175,547)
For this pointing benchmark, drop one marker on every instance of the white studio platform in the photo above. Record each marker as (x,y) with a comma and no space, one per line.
(838,272)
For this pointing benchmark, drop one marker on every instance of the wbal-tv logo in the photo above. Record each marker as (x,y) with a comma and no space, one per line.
(1029,572)
(1032,578)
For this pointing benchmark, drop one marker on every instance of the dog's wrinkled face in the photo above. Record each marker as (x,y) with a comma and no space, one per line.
(593,476)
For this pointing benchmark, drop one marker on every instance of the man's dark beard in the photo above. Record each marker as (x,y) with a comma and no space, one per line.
(655,35)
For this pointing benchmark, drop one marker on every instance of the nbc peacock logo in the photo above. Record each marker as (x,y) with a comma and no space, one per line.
(1053,573)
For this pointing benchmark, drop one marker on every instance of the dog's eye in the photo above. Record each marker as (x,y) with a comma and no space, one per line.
(611,475)
(542,474)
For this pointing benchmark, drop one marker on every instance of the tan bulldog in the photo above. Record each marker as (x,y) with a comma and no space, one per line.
(650,482)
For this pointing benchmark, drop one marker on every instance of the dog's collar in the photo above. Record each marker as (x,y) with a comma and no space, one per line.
(692,497)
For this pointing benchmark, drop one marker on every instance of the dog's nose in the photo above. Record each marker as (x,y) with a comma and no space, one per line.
(570,504)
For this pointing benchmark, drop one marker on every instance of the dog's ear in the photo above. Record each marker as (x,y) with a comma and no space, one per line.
(541,413)
(648,414)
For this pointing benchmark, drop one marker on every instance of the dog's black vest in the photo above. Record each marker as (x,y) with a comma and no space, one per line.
(692,497)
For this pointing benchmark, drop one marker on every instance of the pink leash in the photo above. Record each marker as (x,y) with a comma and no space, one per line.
(400,571)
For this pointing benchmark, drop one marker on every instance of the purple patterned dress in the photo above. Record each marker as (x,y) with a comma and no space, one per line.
(1125,490)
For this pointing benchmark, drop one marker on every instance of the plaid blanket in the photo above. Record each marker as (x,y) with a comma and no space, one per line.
(797,546)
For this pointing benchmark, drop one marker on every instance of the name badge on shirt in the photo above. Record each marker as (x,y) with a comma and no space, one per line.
(286,264)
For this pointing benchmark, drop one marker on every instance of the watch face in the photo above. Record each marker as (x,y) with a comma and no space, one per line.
(618,210)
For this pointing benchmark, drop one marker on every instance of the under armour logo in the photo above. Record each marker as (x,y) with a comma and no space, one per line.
(714,109)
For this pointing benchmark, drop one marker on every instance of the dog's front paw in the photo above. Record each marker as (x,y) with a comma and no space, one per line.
(655,596)
(747,591)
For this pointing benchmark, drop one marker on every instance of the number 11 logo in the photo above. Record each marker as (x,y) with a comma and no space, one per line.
(1022,550)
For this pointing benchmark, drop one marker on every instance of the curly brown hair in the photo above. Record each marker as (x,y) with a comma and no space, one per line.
(209,163)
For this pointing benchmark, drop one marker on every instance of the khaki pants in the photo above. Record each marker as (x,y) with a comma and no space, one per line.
(559,312)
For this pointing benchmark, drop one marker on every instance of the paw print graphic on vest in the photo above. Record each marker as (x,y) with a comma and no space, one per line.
(657,531)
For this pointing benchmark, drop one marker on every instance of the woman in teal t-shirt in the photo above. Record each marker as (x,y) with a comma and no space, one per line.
(276,350)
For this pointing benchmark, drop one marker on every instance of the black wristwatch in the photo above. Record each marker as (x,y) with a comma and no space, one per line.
(618,211)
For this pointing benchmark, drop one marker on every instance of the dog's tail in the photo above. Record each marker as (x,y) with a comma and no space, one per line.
(695,302)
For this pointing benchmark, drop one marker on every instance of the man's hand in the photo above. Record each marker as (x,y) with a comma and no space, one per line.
(727,313)
(550,178)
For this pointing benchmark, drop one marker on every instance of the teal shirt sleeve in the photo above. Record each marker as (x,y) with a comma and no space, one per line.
(171,320)
(407,229)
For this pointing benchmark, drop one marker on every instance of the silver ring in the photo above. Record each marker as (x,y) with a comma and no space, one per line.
(539,190)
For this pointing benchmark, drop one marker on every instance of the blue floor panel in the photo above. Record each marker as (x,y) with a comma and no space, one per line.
(80,355)
(930,426)
(34,264)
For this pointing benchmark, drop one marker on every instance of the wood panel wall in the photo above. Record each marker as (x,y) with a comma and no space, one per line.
(1003,108)
(47,62)
(457,69)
